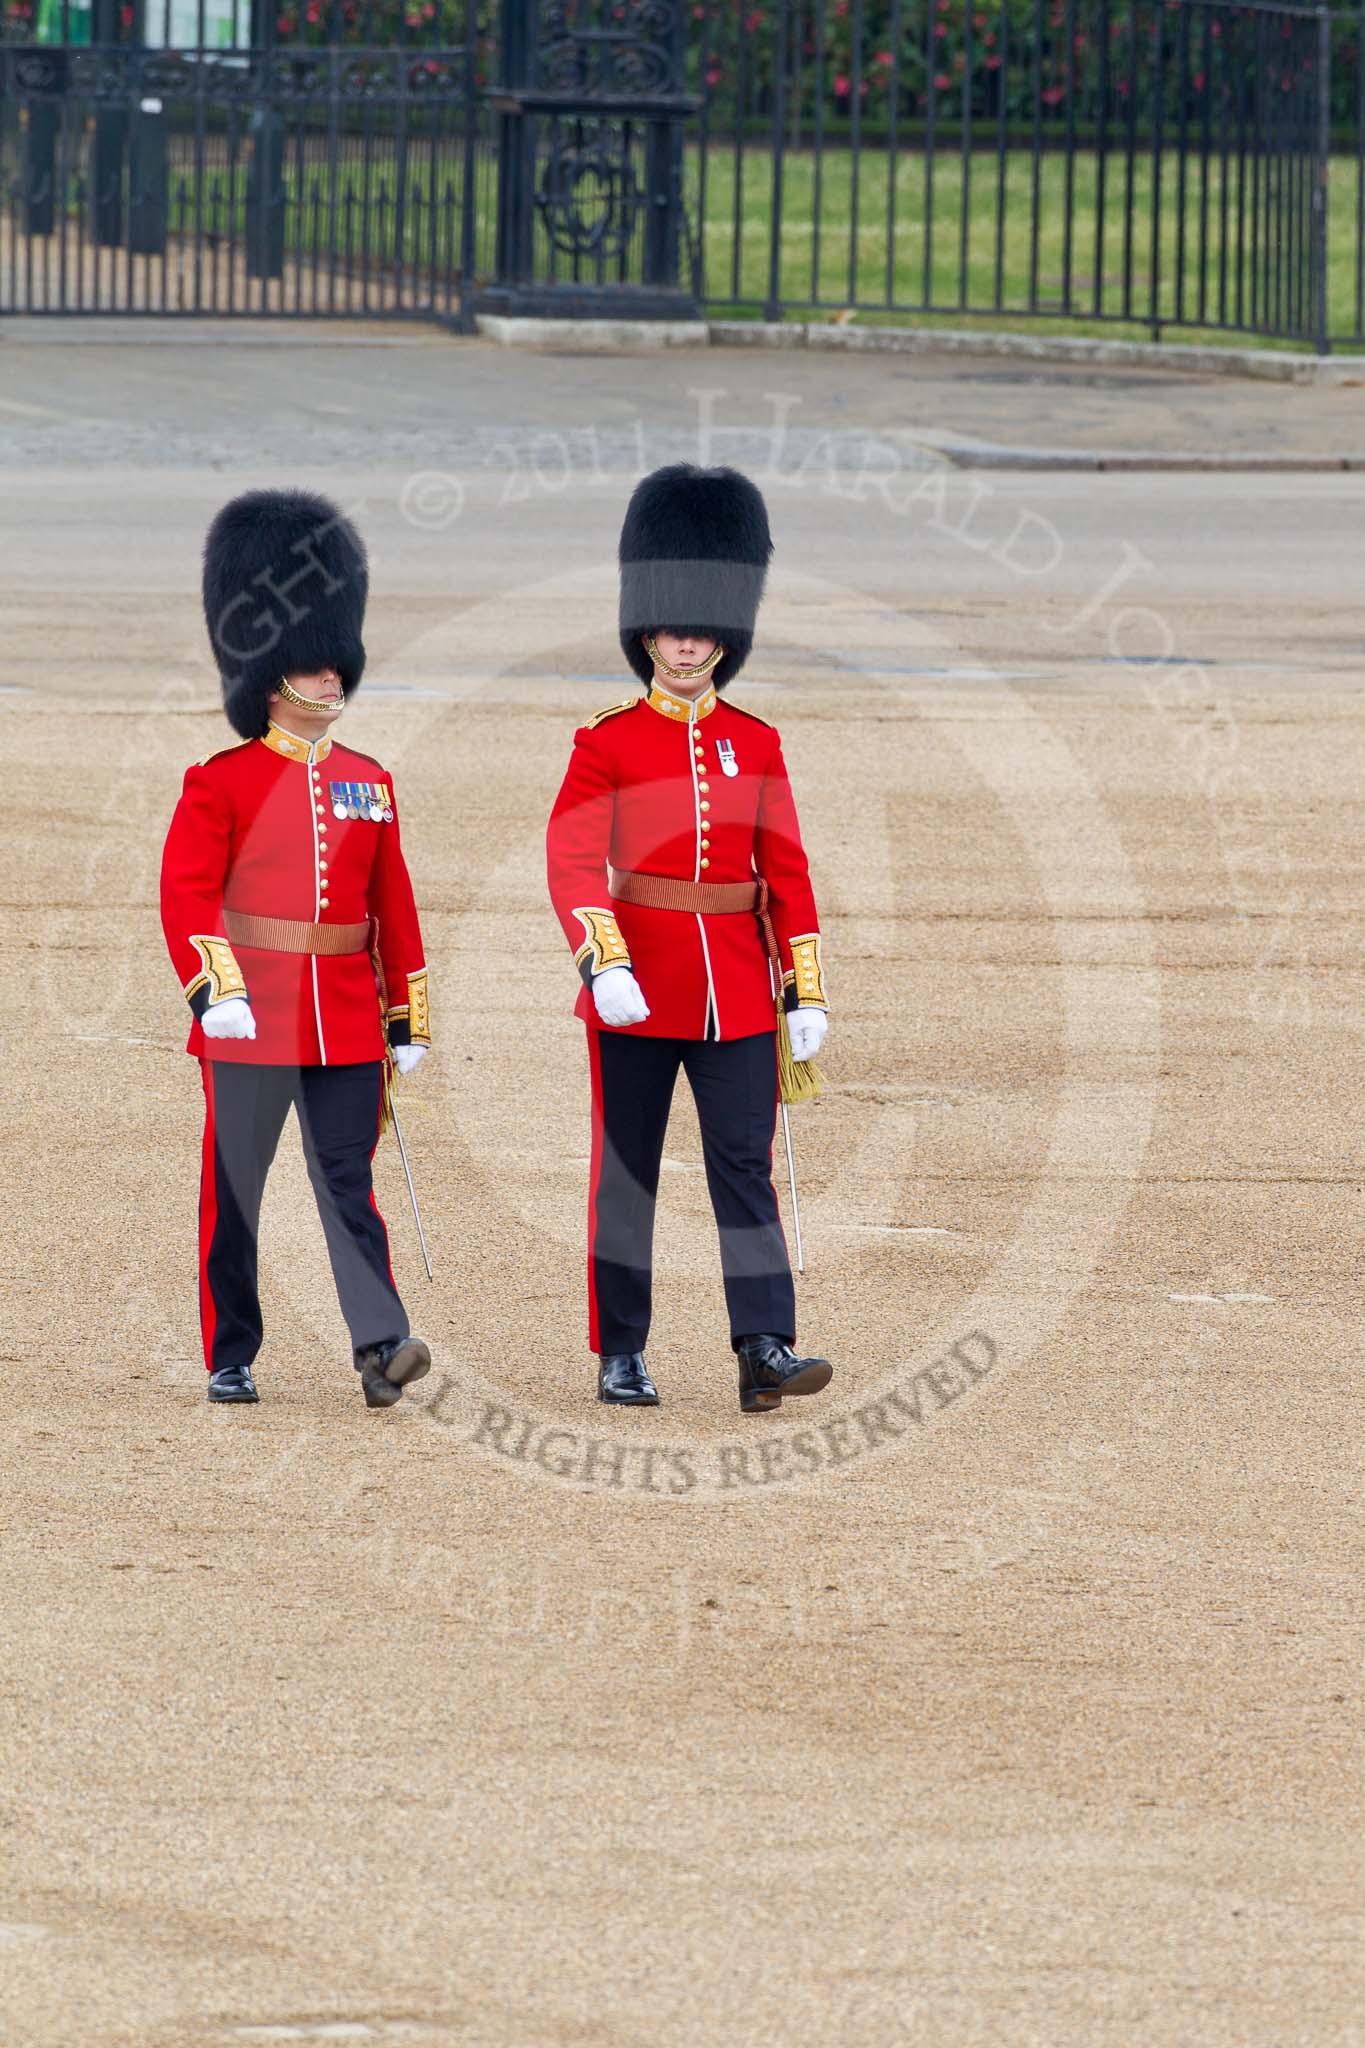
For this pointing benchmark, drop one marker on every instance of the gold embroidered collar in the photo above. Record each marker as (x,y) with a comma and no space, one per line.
(292,747)
(691,709)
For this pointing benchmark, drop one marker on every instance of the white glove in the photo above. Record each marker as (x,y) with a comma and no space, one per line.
(806,1028)
(406,1057)
(619,997)
(231,1018)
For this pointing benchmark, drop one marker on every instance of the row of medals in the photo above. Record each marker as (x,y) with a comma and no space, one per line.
(377,811)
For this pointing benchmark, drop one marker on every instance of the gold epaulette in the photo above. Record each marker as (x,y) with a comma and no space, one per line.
(235,748)
(611,711)
(745,712)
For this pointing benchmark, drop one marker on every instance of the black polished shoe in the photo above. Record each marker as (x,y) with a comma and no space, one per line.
(769,1368)
(385,1369)
(621,1377)
(232,1383)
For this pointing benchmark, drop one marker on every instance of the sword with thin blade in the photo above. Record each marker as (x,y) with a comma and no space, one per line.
(791,1177)
(412,1192)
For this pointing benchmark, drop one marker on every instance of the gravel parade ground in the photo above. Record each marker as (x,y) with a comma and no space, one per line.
(1007,1695)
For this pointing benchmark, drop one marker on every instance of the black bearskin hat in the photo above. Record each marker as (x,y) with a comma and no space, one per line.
(694,554)
(285,583)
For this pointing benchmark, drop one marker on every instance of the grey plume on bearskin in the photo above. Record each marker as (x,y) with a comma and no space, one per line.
(694,556)
(285,583)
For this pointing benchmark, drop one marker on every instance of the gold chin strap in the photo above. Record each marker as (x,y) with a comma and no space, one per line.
(684,675)
(291,696)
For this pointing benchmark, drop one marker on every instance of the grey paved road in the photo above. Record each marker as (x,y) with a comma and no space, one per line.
(135,393)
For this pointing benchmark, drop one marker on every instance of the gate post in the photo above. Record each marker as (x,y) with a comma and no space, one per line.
(663,177)
(40,76)
(264,237)
(664,181)
(38,156)
(106,175)
(772,309)
(109,142)
(512,246)
(591,136)
(265,194)
(148,180)
(1321,167)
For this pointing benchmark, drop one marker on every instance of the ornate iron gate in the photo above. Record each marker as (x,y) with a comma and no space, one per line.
(590,158)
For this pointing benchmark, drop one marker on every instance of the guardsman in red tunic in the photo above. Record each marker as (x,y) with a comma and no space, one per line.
(290,919)
(677,872)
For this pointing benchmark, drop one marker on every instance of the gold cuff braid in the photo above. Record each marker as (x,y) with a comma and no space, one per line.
(805,972)
(220,973)
(419,1017)
(604,946)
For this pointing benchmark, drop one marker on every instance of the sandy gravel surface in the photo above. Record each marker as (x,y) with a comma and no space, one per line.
(1009,1694)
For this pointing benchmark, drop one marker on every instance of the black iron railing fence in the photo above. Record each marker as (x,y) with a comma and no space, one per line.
(1132,160)
(1169,164)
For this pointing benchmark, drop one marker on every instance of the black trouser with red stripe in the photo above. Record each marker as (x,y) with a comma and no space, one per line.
(244,1111)
(734,1085)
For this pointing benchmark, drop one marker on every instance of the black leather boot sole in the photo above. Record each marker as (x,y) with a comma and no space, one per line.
(382,1382)
(811,1377)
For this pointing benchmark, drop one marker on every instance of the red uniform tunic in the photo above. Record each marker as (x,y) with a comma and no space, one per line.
(257,830)
(698,791)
